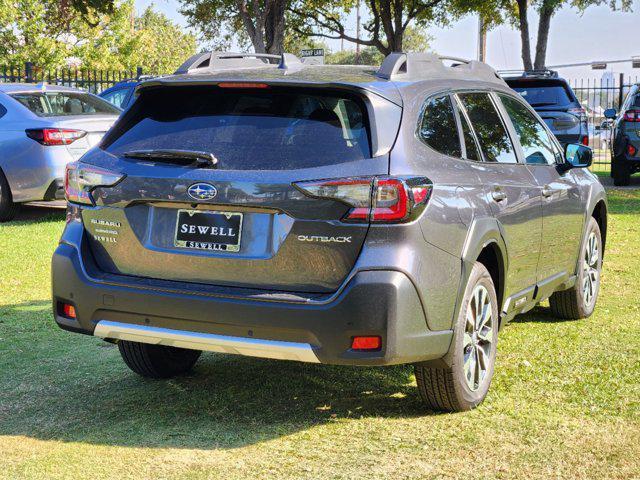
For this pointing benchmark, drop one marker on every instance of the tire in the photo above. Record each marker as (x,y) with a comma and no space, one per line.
(8,209)
(580,300)
(157,361)
(451,389)
(621,174)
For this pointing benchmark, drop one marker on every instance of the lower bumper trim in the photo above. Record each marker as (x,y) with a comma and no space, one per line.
(252,347)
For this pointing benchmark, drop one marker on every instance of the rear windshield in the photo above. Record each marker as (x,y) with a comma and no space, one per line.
(55,104)
(541,94)
(273,128)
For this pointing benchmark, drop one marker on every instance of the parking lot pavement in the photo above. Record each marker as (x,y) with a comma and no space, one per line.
(37,210)
(608,182)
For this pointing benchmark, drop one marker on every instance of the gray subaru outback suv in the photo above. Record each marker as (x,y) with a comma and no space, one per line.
(333,214)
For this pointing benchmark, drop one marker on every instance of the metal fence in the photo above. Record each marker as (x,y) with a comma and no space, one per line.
(94,81)
(596,96)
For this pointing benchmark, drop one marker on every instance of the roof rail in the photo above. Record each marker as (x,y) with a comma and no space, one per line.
(412,66)
(529,73)
(218,61)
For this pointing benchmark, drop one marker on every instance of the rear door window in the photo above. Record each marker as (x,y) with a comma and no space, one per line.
(470,143)
(273,128)
(60,104)
(438,127)
(489,128)
(536,143)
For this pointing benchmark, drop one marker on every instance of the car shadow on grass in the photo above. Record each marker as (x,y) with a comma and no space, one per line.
(539,314)
(76,388)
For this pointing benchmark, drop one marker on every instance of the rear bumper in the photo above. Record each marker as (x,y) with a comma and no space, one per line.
(377,302)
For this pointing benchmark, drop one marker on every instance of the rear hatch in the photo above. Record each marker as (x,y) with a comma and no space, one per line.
(241,222)
(555,102)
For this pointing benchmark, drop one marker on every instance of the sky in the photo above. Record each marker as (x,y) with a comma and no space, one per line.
(597,34)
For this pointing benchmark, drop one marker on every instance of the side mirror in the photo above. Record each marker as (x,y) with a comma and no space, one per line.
(610,113)
(576,156)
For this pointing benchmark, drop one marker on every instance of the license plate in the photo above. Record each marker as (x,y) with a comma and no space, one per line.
(199,230)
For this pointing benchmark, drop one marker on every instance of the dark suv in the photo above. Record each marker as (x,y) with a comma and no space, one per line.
(334,214)
(625,151)
(555,101)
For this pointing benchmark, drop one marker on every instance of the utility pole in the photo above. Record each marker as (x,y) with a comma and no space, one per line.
(482,40)
(358,33)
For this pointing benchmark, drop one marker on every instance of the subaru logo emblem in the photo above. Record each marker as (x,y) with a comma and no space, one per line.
(202,191)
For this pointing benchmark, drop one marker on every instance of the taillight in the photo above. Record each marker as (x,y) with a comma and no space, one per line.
(81,179)
(375,199)
(391,201)
(631,150)
(55,136)
(585,141)
(632,116)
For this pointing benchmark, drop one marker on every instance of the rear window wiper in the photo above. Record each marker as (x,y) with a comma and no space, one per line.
(178,157)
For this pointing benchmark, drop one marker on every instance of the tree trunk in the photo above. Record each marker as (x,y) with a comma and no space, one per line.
(546,12)
(255,30)
(274,25)
(524,35)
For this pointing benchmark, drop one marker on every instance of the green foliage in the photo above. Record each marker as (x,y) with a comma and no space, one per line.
(368,56)
(563,403)
(42,32)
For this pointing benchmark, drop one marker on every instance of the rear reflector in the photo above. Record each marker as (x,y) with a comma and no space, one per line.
(54,136)
(66,310)
(631,150)
(366,343)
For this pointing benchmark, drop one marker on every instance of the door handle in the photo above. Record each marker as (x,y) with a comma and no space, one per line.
(498,195)
(547,191)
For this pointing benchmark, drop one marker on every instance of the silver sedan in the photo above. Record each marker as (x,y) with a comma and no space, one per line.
(42,129)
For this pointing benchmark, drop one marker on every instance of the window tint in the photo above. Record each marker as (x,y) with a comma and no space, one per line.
(534,139)
(438,126)
(494,139)
(267,129)
(117,97)
(50,104)
(469,142)
(541,93)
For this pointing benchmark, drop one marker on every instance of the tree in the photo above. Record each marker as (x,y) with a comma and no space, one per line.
(386,30)
(516,12)
(261,22)
(37,31)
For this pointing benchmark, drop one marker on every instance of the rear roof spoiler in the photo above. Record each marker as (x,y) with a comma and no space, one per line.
(210,62)
(423,66)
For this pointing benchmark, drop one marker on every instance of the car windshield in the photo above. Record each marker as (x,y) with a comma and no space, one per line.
(540,94)
(247,129)
(54,104)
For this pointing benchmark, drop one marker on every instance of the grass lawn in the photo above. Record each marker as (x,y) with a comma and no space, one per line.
(564,401)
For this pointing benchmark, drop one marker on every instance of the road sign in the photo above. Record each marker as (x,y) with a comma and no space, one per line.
(313,56)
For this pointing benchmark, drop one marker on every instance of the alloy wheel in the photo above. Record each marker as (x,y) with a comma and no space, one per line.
(591,275)
(478,337)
